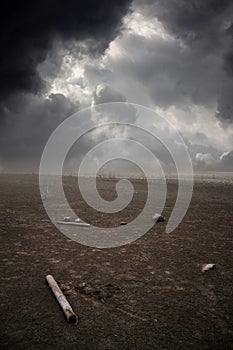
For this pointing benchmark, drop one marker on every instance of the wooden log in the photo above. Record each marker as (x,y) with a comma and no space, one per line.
(63,302)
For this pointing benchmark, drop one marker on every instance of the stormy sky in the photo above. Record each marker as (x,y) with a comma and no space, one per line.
(173,56)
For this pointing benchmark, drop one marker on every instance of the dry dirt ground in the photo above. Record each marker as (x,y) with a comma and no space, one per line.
(150,294)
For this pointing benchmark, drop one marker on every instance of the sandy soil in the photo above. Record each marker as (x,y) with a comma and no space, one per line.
(150,294)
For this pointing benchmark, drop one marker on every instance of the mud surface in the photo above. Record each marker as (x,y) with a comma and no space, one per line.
(150,294)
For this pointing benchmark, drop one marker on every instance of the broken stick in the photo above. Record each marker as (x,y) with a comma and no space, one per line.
(67,309)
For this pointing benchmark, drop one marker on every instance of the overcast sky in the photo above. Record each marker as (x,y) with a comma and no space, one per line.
(173,56)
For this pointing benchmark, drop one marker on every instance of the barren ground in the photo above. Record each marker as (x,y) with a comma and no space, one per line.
(150,294)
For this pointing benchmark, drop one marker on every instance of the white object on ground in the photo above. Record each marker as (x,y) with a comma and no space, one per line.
(67,309)
(83,224)
(158,218)
(123,223)
(207,267)
(68,220)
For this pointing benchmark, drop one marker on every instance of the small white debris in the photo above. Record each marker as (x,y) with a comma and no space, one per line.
(123,223)
(158,218)
(207,267)
(81,285)
(67,219)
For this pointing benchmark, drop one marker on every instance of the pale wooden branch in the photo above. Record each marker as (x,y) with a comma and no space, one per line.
(67,309)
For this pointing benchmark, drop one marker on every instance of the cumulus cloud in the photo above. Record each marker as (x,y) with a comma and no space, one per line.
(205,161)
(204,158)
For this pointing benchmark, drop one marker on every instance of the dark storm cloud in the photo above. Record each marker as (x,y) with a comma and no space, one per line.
(31,32)
(27,31)
(225,104)
(228,62)
(206,30)
(32,120)
(170,74)
(193,20)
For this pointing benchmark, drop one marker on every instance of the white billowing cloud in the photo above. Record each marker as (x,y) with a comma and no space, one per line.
(69,79)
(206,158)
(198,125)
(104,93)
(207,162)
(227,160)
(138,23)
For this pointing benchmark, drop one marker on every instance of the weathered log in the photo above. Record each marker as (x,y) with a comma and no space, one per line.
(63,302)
